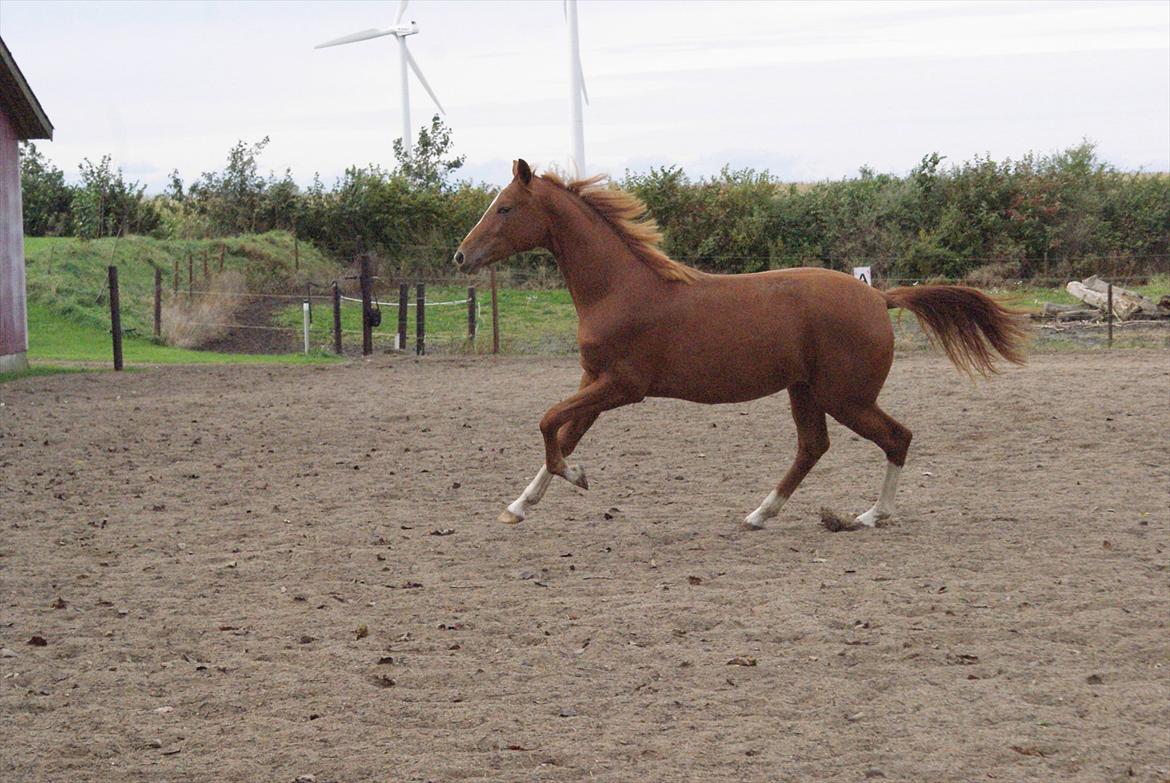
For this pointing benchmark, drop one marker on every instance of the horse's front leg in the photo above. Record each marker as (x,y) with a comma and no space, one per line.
(562,427)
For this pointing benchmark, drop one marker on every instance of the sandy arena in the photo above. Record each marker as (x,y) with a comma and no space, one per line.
(255,574)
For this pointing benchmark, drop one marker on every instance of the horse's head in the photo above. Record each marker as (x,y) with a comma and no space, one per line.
(514,222)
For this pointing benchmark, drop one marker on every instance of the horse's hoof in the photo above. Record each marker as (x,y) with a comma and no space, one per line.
(575,474)
(508,518)
(754,521)
(871,518)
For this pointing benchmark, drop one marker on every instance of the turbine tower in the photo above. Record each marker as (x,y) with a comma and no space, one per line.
(405,60)
(576,89)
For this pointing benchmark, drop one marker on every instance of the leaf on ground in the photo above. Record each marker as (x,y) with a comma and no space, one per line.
(962,659)
(361,632)
(1029,751)
(742,660)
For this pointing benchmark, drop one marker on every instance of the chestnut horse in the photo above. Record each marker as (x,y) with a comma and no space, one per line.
(652,327)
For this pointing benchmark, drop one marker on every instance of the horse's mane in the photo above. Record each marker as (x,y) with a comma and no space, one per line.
(628,216)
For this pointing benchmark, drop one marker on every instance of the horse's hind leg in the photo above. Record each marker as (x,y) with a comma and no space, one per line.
(871,422)
(812,441)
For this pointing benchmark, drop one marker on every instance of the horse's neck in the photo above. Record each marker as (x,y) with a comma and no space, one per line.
(594,260)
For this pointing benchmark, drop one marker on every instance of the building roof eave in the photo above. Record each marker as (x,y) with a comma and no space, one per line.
(18,101)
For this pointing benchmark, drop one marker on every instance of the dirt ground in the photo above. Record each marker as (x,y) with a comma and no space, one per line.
(255,574)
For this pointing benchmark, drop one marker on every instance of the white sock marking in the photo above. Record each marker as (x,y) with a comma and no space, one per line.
(768,509)
(884,508)
(531,494)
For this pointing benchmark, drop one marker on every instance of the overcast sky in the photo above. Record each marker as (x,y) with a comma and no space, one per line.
(807,91)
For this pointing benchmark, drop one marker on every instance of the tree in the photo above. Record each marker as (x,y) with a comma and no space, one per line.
(233,200)
(105,204)
(46,198)
(425,168)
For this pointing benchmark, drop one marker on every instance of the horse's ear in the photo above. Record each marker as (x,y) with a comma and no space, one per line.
(521,171)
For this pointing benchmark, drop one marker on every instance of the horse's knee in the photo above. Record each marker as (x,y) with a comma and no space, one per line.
(549,425)
(900,438)
(817,447)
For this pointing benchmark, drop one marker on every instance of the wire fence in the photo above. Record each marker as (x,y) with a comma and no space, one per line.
(529,312)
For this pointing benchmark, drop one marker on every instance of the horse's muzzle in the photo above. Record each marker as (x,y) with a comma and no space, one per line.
(464,264)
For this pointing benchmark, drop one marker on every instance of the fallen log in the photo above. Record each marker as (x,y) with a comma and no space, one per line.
(1079,315)
(1062,312)
(1126,304)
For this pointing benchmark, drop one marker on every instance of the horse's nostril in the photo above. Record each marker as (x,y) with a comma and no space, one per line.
(459,258)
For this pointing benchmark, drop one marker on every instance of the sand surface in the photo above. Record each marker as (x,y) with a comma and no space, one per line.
(252,574)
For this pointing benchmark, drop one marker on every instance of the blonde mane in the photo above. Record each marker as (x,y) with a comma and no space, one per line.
(627,215)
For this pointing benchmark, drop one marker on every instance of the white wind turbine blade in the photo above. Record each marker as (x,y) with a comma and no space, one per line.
(418,72)
(364,35)
(401,11)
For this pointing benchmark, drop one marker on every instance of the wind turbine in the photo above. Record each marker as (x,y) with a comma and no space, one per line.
(399,31)
(576,89)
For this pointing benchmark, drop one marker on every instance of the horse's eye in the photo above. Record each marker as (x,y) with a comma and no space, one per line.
(503,210)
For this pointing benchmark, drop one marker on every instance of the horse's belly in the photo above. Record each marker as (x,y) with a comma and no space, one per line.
(734,371)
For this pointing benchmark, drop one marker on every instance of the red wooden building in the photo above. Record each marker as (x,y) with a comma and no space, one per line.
(21,118)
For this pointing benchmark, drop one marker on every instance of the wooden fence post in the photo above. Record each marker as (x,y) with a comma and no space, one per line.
(190,275)
(175,278)
(206,270)
(309,299)
(367,329)
(157,303)
(1109,313)
(221,251)
(115,317)
(495,315)
(471,314)
(403,301)
(336,318)
(420,320)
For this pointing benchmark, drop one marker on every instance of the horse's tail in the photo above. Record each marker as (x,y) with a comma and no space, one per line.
(964,322)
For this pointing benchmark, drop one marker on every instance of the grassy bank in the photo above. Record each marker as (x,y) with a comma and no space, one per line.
(54,338)
(68,276)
